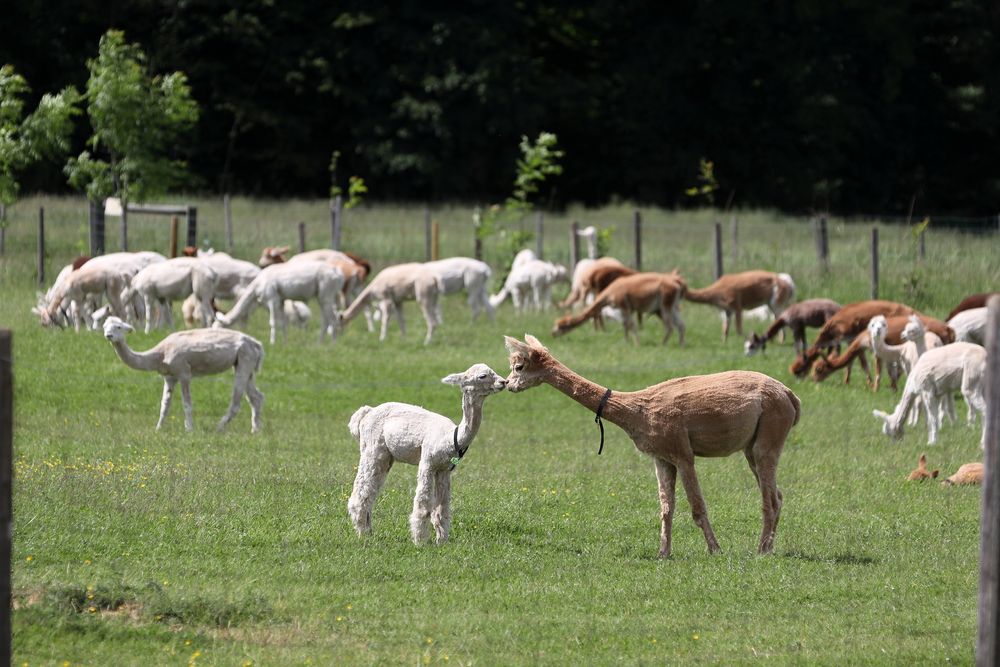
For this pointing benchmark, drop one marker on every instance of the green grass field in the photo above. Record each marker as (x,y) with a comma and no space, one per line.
(138,547)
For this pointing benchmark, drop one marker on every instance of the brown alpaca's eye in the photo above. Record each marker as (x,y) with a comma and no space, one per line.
(518,367)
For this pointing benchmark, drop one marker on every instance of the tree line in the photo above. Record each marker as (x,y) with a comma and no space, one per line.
(799,105)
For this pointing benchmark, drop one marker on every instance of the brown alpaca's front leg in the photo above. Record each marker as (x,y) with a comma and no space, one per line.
(699,512)
(666,475)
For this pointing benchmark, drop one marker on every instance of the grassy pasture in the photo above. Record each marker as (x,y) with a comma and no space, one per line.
(137,547)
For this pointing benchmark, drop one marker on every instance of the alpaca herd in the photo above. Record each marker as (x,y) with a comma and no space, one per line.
(672,422)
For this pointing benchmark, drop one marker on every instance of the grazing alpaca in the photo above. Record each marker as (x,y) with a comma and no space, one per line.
(921,472)
(674,421)
(458,273)
(295,280)
(808,313)
(187,354)
(90,280)
(591,276)
(391,287)
(393,432)
(534,278)
(733,293)
(233,277)
(970,302)
(845,324)
(659,293)
(969,473)
(937,373)
(970,325)
(160,283)
(269,256)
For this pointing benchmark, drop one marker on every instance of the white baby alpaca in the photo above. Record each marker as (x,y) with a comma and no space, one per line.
(393,432)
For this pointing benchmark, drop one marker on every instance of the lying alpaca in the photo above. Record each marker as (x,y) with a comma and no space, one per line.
(970,325)
(921,472)
(674,421)
(472,275)
(533,279)
(937,373)
(393,432)
(808,313)
(391,287)
(659,293)
(969,473)
(187,354)
(733,293)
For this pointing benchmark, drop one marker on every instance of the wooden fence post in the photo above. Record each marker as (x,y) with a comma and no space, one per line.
(822,245)
(574,244)
(41,246)
(302,237)
(435,241)
(734,233)
(227,212)
(174,225)
(428,252)
(539,235)
(637,236)
(718,250)
(6,488)
(874,262)
(192,231)
(336,211)
(987,651)
(123,227)
(3,228)
(96,228)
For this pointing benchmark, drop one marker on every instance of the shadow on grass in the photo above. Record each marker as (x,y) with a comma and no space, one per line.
(837,559)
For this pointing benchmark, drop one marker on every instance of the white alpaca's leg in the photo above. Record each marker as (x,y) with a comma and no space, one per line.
(385,309)
(441,514)
(188,408)
(397,308)
(373,467)
(422,502)
(273,305)
(675,313)
(168,395)
(948,408)
(239,389)
(169,313)
(431,324)
(256,400)
(147,304)
(933,415)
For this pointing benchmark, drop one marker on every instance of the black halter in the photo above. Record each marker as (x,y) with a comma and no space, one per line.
(459,453)
(600,409)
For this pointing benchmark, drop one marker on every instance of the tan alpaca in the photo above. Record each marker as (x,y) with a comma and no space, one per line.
(677,420)
(592,276)
(391,287)
(970,473)
(639,293)
(920,473)
(844,325)
(736,292)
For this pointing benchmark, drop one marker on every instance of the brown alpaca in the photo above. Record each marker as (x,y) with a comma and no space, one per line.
(659,293)
(970,302)
(847,323)
(677,420)
(736,292)
(597,275)
(970,473)
(808,313)
(921,472)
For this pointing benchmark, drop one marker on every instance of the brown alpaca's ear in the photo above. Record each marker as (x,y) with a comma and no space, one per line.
(934,474)
(922,462)
(514,346)
(534,342)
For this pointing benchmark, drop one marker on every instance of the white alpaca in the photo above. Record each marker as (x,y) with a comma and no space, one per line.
(87,282)
(523,256)
(458,273)
(531,284)
(901,358)
(294,280)
(970,326)
(589,235)
(161,283)
(187,354)
(391,287)
(393,432)
(959,366)
(916,335)
(233,277)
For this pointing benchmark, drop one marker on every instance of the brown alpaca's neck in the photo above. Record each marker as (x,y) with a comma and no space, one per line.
(589,394)
(140,361)
(856,347)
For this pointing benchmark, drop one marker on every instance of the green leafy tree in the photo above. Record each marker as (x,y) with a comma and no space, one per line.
(41,135)
(137,120)
(707,185)
(356,188)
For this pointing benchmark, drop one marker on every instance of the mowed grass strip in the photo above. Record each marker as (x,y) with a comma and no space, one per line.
(231,549)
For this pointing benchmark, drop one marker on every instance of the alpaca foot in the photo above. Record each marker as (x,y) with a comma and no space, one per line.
(663,554)
(418,528)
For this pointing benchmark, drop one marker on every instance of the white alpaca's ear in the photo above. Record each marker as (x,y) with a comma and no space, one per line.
(534,342)
(454,378)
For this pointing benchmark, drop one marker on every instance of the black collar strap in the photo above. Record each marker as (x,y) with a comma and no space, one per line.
(459,453)
(600,409)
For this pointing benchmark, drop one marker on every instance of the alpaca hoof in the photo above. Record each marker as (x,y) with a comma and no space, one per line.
(663,555)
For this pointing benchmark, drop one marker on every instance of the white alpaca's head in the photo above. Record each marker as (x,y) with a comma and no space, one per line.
(877,326)
(478,380)
(527,362)
(560,274)
(115,329)
(914,329)
(888,428)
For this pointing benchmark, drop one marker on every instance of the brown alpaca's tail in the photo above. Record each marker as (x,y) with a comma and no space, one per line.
(703,295)
(796,403)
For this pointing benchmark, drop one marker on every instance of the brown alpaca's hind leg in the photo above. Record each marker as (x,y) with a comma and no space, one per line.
(762,457)
(666,475)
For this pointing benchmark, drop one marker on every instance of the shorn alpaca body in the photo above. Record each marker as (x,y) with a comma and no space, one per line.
(843,326)
(677,420)
(529,285)
(391,287)
(393,432)
(92,280)
(161,283)
(797,317)
(970,302)
(591,276)
(968,473)
(465,273)
(938,372)
(970,325)
(188,354)
(639,293)
(733,293)
(233,275)
(295,281)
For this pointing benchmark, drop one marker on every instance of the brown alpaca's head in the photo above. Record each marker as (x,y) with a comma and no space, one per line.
(799,367)
(821,370)
(271,256)
(561,326)
(921,472)
(527,362)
